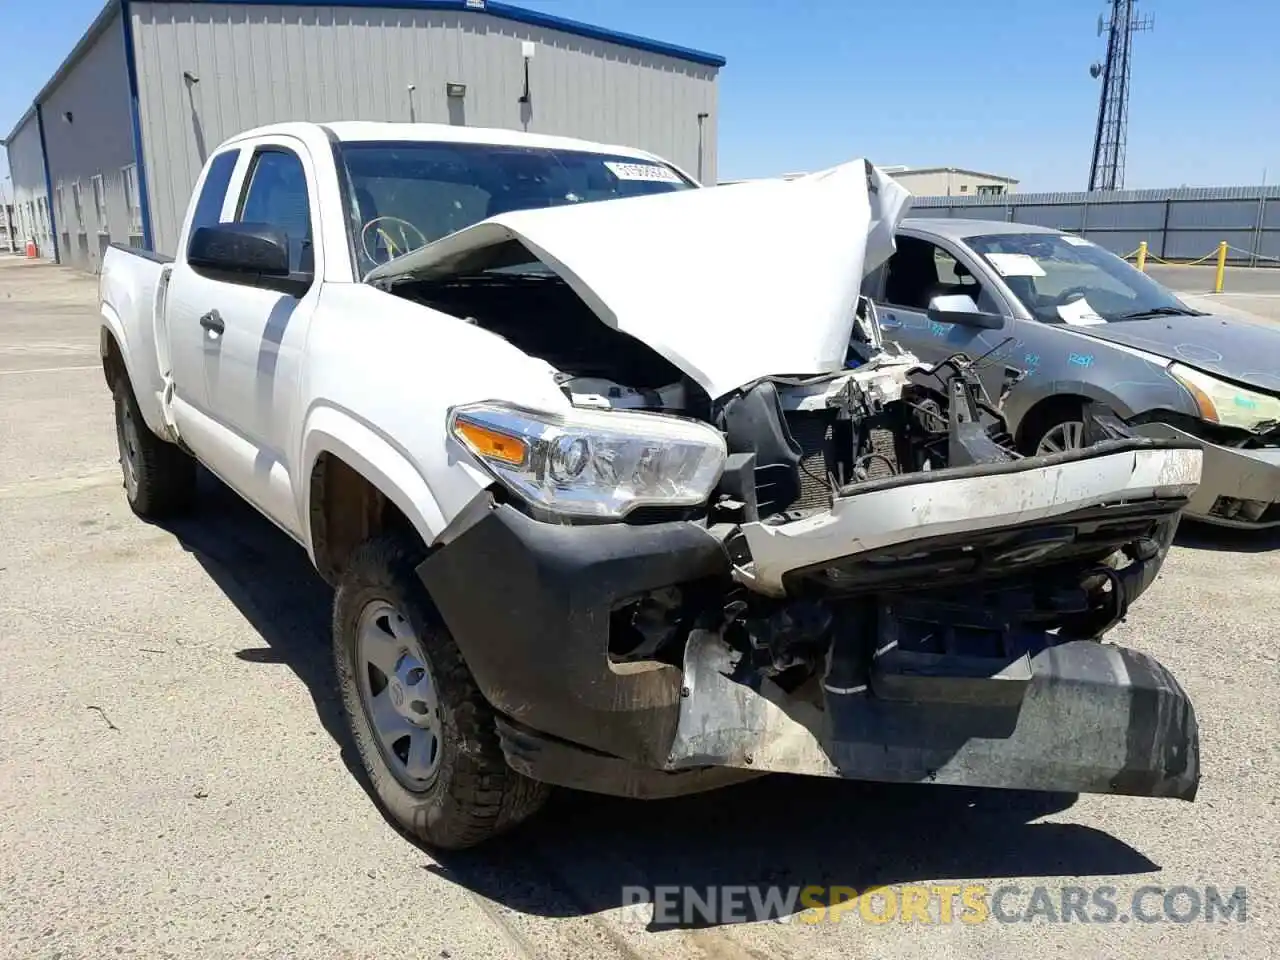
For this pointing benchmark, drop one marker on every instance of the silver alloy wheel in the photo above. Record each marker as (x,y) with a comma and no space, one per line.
(398,694)
(128,441)
(1063,437)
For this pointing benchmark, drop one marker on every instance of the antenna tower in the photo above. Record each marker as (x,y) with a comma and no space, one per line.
(1106,172)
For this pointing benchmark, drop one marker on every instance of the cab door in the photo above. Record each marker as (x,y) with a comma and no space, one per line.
(254,371)
(182,318)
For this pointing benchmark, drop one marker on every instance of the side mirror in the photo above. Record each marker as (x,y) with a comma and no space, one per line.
(254,254)
(960,309)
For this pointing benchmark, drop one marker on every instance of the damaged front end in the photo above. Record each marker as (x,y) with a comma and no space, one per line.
(881,589)
(877,586)
(922,604)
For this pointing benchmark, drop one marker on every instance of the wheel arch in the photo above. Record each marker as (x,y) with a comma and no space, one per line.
(1062,394)
(357,485)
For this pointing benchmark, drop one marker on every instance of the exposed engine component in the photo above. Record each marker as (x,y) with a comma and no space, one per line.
(814,438)
(604,394)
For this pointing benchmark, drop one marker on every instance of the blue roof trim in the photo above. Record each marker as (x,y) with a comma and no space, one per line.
(506,11)
(538,19)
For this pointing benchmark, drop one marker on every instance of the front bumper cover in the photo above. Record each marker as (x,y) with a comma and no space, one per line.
(530,605)
(1227,472)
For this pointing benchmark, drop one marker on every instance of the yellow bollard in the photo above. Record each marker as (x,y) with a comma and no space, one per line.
(1222,266)
(1142,257)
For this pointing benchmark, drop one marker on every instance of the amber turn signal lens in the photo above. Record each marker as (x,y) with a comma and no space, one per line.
(491,444)
(1208,409)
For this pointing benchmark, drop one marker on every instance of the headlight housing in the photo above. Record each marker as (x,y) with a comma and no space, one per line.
(1226,403)
(592,463)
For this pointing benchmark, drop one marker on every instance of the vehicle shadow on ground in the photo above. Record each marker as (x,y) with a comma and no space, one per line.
(272,583)
(582,852)
(577,857)
(1198,535)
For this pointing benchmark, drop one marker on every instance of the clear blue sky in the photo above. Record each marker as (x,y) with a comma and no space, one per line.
(998,85)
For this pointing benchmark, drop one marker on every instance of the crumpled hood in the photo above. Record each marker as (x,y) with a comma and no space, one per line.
(729,283)
(1220,345)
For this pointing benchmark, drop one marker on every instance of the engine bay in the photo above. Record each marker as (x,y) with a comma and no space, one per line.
(796,445)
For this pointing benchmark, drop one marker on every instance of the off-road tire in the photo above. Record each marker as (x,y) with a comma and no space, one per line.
(473,795)
(165,474)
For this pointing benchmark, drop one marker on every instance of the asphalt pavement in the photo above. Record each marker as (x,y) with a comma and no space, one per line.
(176,780)
(1249,292)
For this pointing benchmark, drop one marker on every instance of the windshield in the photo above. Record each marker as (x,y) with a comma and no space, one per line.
(1064,279)
(404,195)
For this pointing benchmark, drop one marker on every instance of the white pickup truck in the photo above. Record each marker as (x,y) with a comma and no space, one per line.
(620,490)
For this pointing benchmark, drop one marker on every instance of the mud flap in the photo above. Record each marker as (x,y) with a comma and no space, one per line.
(1094,718)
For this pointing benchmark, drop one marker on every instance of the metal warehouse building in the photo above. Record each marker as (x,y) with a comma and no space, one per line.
(112,146)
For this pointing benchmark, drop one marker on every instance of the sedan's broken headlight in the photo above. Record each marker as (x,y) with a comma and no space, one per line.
(593,463)
(1226,403)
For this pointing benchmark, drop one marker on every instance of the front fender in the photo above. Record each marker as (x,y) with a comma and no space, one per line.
(1032,392)
(379,460)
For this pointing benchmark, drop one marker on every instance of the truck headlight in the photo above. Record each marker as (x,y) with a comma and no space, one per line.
(592,463)
(1226,403)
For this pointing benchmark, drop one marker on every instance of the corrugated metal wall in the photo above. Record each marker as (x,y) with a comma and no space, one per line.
(30,195)
(1183,224)
(262,64)
(96,141)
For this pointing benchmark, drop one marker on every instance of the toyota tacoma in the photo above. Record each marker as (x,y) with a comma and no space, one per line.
(618,487)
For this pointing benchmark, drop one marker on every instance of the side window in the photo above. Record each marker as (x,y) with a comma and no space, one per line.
(209,204)
(277,195)
(919,270)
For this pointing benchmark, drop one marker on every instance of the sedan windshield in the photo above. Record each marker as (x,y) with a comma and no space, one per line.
(404,195)
(1064,279)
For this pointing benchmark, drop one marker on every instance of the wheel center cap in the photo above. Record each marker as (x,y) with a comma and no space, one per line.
(397,694)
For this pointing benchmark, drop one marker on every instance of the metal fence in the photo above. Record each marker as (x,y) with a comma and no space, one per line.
(1180,225)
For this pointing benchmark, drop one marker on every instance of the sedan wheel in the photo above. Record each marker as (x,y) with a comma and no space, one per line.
(1061,438)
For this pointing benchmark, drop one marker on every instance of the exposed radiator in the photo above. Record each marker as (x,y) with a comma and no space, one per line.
(813,433)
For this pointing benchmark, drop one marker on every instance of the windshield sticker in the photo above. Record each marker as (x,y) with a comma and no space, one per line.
(642,171)
(1015,265)
(1075,241)
(1078,313)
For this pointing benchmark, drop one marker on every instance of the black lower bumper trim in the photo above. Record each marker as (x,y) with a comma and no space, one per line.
(529,605)
(561,764)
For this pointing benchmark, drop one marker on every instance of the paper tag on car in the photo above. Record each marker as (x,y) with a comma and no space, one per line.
(642,171)
(1078,313)
(1015,265)
(1076,241)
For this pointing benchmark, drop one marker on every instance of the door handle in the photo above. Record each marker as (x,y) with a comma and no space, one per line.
(212,321)
(890,321)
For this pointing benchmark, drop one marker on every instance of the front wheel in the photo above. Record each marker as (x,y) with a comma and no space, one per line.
(1054,428)
(424,732)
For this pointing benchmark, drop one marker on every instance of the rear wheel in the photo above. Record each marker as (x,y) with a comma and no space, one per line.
(425,733)
(159,477)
